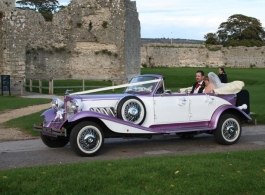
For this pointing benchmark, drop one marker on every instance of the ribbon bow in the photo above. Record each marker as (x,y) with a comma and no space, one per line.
(198,85)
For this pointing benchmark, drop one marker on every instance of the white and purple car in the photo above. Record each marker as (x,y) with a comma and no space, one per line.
(144,109)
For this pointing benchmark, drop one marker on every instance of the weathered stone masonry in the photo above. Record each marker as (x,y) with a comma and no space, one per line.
(181,55)
(91,39)
(97,39)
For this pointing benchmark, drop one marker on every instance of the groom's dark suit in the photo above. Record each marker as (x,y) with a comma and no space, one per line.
(196,85)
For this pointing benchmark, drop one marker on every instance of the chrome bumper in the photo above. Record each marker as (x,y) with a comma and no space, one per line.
(50,131)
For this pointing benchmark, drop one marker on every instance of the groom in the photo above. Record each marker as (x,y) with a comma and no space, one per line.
(199,86)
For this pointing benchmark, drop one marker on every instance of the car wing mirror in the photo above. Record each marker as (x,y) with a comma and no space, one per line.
(186,91)
(166,91)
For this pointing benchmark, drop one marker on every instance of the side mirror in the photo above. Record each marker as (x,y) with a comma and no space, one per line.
(186,91)
(167,91)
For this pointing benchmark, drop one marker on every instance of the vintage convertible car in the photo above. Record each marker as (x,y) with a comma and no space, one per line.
(144,109)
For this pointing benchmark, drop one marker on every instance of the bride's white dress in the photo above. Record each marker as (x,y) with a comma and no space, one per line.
(224,88)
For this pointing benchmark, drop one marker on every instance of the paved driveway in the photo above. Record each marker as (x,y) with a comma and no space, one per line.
(34,153)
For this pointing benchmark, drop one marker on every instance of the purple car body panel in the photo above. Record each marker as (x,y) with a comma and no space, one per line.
(220,110)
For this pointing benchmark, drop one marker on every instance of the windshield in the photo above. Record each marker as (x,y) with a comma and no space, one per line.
(142,88)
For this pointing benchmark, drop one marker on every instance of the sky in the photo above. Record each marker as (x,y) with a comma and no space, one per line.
(190,19)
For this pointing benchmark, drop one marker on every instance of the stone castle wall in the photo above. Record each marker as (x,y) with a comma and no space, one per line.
(181,55)
(132,40)
(7,4)
(90,39)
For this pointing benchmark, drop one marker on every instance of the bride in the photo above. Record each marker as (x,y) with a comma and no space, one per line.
(212,82)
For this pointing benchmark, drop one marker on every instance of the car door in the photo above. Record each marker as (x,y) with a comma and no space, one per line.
(171,108)
(201,107)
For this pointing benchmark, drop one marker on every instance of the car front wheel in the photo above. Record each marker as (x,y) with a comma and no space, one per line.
(53,142)
(228,130)
(86,138)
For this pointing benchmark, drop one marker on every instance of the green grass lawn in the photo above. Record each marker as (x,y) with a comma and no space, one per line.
(183,77)
(234,173)
(25,123)
(13,102)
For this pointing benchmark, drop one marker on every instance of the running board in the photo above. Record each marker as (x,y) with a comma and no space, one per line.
(188,129)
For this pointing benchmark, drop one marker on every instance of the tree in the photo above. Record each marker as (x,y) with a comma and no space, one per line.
(46,7)
(239,30)
(212,39)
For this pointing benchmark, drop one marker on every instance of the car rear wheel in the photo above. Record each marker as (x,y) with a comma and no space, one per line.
(228,130)
(53,142)
(131,109)
(86,138)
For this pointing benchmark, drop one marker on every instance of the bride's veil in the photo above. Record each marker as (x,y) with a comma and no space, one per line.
(214,80)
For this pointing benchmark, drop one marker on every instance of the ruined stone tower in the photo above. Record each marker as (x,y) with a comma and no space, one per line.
(90,39)
(7,4)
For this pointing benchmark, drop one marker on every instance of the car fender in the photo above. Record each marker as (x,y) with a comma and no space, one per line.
(219,111)
(49,114)
(85,114)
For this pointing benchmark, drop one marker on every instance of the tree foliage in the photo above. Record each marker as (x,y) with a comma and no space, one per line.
(212,39)
(45,7)
(238,30)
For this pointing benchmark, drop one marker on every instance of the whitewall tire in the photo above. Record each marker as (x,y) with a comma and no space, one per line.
(86,138)
(131,109)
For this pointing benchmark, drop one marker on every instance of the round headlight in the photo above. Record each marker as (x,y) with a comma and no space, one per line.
(57,103)
(76,105)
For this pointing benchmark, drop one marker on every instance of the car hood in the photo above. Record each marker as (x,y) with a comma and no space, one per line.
(95,97)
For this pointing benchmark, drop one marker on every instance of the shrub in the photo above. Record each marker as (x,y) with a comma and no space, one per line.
(106,52)
(252,65)
(105,24)
(246,43)
(213,48)
(47,16)
(60,49)
(144,65)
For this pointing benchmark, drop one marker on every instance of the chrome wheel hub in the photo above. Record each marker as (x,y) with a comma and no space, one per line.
(88,139)
(133,111)
(230,130)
